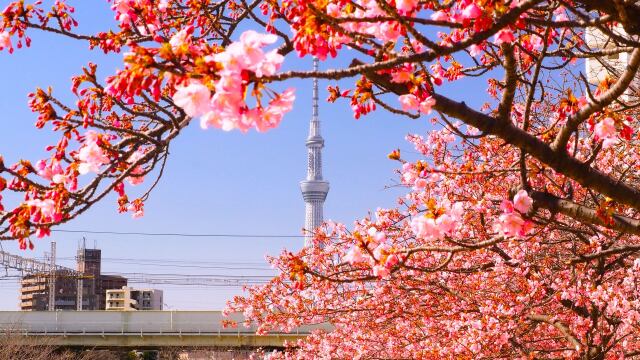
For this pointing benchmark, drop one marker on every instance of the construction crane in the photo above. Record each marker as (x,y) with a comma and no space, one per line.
(44,268)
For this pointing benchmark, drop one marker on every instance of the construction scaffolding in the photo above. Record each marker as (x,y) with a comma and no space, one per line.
(47,269)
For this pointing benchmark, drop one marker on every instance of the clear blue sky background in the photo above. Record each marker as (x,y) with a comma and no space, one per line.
(216,182)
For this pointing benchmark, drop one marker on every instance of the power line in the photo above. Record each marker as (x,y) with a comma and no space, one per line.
(175,260)
(179,234)
(191,266)
(173,263)
(224,276)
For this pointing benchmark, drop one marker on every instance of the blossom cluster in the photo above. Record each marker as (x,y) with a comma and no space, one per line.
(227,108)
(5,41)
(510,223)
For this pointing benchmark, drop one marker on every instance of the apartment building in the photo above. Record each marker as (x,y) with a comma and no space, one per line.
(34,290)
(130,299)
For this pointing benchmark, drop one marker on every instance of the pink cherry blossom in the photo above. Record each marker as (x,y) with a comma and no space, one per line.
(333,10)
(354,255)
(426,228)
(426,105)
(276,110)
(522,202)
(91,155)
(609,142)
(403,74)
(417,46)
(406,5)
(232,58)
(409,102)
(381,251)
(136,180)
(388,31)
(46,206)
(446,223)
(136,213)
(270,64)
(605,129)
(510,225)
(247,53)
(239,56)
(147,29)
(215,119)
(475,50)
(409,175)
(255,39)
(560,14)
(439,16)
(391,261)
(193,98)
(179,39)
(163,5)
(472,11)
(381,271)
(5,41)
(504,36)
(437,73)
(534,42)
(228,91)
(507,206)
(123,11)
(227,109)
(48,171)
(420,183)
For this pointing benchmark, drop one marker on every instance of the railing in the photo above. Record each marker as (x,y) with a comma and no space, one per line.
(130,322)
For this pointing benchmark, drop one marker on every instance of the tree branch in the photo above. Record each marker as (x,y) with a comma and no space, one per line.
(564,330)
(585,214)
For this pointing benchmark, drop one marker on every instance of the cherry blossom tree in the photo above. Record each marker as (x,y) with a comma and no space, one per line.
(518,235)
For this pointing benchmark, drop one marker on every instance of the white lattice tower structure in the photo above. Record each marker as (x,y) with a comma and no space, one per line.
(314,188)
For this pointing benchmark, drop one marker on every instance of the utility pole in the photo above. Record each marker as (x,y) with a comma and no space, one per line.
(52,277)
(80,282)
(79,293)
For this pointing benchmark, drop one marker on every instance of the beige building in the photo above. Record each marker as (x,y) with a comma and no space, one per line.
(130,299)
(613,63)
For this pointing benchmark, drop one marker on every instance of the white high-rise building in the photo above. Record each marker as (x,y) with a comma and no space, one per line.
(314,188)
(614,64)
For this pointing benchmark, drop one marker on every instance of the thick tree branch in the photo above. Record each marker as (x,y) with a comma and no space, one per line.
(604,253)
(510,82)
(600,102)
(608,7)
(560,161)
(360,67)
(564,330)
(584,214)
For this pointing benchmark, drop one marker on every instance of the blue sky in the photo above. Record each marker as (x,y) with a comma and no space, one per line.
(216,182)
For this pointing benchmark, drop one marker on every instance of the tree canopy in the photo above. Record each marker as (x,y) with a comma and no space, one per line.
(518,234)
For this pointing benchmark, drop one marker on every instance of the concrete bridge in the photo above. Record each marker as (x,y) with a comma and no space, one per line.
(143,329)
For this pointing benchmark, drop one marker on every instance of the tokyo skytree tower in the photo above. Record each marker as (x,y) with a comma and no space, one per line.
(314,188)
